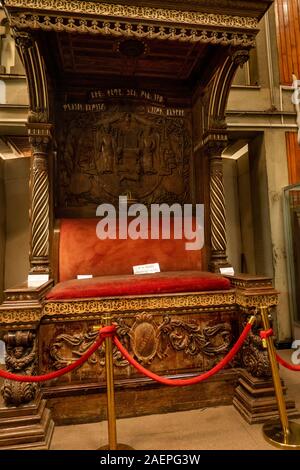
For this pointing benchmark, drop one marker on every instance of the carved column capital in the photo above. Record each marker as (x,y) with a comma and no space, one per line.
(215,142)
(39,144)
(24,40)
(240,56)
(38,115)
(21,358)
(214,149)
(39,130)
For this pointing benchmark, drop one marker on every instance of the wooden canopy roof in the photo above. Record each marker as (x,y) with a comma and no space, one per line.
(149,41)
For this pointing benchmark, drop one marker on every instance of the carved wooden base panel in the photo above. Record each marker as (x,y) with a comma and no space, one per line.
(26,427)
(255,400)
(138,397)
(162,343)
(176,345)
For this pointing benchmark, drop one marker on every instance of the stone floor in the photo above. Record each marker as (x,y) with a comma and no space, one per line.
(207,429)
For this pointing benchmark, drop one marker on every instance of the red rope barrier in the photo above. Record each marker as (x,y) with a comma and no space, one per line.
(287,365)
(266,334)
(103,333)
(185,382)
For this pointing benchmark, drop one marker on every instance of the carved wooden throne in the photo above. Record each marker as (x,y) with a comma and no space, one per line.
(157,317)
(129,101)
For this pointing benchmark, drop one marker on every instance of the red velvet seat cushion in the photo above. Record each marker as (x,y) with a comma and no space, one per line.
(160,283)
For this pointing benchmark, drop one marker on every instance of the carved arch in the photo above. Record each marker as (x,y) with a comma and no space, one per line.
(220,87)
(39,131)
(36,77)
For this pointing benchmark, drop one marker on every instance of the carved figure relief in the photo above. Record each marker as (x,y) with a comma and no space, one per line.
(105,145)
(150,147)
(123,149)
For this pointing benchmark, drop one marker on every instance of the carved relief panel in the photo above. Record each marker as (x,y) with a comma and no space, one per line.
(114,149)
(161,343)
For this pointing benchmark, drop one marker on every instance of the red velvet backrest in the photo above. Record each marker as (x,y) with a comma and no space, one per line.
(82,252)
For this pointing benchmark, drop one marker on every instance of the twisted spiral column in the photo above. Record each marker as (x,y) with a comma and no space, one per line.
(40,200)
(217,211)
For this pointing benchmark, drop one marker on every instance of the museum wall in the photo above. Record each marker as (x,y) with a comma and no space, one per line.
(239,214)
(233,215)
(293,154)
(17,226)
(277,174)
(288,32)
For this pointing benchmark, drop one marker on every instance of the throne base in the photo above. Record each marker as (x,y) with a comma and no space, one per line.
(137,397)
(27,427)
(255,399)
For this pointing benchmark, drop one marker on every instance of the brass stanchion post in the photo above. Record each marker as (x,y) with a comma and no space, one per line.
(284,433)
(111,411)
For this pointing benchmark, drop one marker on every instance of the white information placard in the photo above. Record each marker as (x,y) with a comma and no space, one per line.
(228,271)
(36,280)
(84,276)
(146,269)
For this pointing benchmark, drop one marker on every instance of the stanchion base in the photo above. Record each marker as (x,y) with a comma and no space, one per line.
(273,433)
(119,447)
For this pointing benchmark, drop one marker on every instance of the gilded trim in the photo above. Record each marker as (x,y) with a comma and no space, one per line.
(266,300)
(230,309)
(137,304)
(140,30)
(90,309)
(137,13)
(17,316)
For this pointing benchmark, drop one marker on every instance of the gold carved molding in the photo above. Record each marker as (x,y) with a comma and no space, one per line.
(91,309)
(264,300)
(137,13)
(138,303)
(20,316)
(126,29)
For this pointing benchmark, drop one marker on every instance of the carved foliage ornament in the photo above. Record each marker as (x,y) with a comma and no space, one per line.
(146,340)
(140,30)
(137,12)
(254,356)
(240,57)
(23,40)
(79,344)
(20,359)
(38,116)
